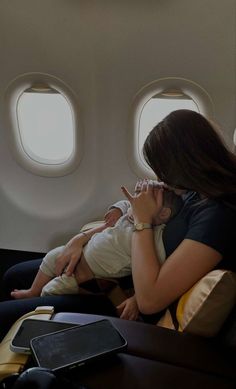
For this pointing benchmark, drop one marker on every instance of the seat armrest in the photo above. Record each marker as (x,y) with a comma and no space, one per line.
(161,344)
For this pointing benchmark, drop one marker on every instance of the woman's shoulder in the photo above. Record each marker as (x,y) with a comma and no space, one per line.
(212,223)
(206,221)
(195,207)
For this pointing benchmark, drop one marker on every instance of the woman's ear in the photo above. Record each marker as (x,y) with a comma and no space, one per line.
(165,214)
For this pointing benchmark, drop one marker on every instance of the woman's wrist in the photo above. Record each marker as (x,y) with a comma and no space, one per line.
(142,226)
(84,237)
(80,239)
(143,219)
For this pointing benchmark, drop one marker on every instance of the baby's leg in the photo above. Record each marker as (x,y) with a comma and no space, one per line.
(61,285)
(40,280)
(69,284)
(45,274)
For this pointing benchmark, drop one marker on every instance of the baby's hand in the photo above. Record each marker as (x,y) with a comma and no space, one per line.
(112,216)
(128,309)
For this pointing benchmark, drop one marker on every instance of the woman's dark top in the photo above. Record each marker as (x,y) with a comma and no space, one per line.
(205,221)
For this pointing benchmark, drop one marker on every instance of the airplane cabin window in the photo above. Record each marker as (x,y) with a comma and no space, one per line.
(158,107)
(152,103)
(45,125)
(46,135)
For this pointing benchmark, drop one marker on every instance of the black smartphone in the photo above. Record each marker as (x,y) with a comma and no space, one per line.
(30,328)
(76,346)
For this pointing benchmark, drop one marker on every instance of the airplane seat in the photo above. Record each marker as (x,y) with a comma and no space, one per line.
(159,357)
(156,357)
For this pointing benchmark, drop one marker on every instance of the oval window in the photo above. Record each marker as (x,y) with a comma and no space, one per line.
(158,107)
(45,125)
(152,104)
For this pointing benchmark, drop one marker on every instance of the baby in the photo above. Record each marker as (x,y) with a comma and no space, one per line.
(106,254)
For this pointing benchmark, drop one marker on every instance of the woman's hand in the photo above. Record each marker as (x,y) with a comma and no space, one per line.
(112,216)
(128,309)
(70,256)
(146,202)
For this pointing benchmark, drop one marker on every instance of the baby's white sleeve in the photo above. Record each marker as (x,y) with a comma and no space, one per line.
(123,205)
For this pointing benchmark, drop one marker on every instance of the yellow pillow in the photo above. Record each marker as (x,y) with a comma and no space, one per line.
(203,309)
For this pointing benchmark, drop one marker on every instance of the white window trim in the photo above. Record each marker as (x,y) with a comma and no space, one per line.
(198,94)
(12,94)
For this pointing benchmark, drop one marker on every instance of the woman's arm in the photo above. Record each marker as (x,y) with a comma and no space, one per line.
(157,286)
(73,250)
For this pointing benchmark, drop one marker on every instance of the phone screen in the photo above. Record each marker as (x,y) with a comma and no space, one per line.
(30,328)
(75,346)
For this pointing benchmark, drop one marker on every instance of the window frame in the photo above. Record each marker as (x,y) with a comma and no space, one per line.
(197,93)
(12,95)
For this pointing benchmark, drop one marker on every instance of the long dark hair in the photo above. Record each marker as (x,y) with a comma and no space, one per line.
(185,151)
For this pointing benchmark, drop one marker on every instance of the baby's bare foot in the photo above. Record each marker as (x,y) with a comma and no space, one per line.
(22,293)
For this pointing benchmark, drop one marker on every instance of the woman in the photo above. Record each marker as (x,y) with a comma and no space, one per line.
(186,153)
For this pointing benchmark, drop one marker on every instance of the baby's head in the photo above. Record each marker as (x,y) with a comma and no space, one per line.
(172,203)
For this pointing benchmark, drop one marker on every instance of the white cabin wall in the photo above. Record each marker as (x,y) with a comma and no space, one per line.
(105,51)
